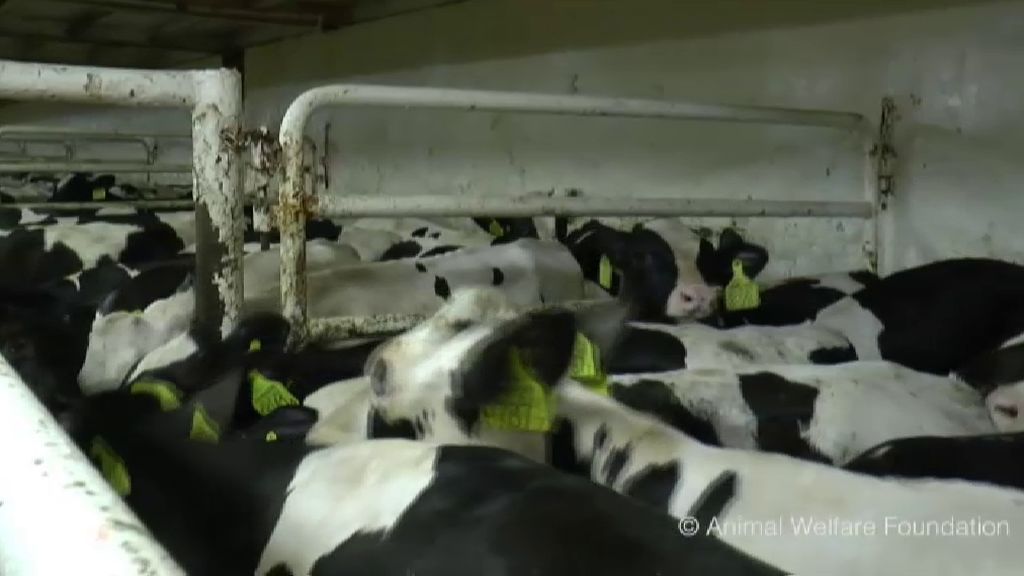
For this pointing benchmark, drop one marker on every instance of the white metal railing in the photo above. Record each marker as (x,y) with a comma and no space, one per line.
(295,203)
(66,541)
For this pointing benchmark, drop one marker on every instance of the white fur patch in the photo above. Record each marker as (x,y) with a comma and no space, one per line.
(342,491)
(857,324)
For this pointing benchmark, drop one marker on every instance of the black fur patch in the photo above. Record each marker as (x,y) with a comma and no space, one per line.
(420,267)
(781,408)
(403,249)
(657,399)
(497,277)
(419,232)
(655,485)
(642,350)
(838,355)
(441,288)
(438,250)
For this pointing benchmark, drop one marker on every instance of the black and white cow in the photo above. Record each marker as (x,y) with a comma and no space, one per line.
(827,413)
(991,458)
(933,318)
(229,501)
(530,272)
(647,347)
(670,272)
(795,300)
(440,379)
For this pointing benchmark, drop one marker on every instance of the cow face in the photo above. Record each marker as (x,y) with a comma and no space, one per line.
(120,340)
(671,272)
(434,380)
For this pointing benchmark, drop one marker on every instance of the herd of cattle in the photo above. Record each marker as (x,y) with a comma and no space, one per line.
(847,425)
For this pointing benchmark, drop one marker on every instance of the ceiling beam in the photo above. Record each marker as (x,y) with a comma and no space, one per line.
(197,48)
(280,18)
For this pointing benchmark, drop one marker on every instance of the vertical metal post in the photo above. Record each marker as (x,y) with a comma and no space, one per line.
(292,226)
(216,122)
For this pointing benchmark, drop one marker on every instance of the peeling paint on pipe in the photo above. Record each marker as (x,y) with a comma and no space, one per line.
(216,121)
(57,514)
(52,82)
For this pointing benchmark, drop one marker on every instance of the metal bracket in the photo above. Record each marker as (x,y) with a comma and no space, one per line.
(884,152)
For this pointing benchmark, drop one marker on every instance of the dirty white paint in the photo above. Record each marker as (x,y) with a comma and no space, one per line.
(957,141)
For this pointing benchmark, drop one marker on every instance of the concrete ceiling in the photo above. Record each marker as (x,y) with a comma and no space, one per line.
(170,33)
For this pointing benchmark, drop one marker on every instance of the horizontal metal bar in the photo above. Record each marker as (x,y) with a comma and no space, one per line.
(57,132)
(521,206)
(298,112)
(95,166)
(126,87)
(155,204)
(57,514)
(343,327)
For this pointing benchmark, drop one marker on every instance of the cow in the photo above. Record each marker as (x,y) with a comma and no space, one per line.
(672,273)
(824,413)
(989,458)
(380,239)
(531,272)
(450,378)
(155,309)
(933,318)
(224,499)
(649,347)
(795,300)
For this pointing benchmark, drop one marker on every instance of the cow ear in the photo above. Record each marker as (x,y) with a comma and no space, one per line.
(543,342)
(729,239)
(753,257)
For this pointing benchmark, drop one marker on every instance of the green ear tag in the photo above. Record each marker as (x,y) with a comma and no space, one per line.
(525,407)
(255,345)
(165,392)
(99,193)
(111,466)
(605,272)
(586,365)
(271,436)
(269,395)
(204,429)
(495,229)
(741,293)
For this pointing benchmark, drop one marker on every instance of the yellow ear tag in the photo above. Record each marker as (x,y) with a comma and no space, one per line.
(111,466)
(271,436)
(525,407)
(605,272)
(586,366)
(269,395)
(741,293)
(255,345)
(99,193)
(495,229)
(165,392)
(204,428)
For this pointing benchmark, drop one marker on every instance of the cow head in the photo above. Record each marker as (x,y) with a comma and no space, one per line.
(436,379)
(999,375)
(120,340)
(669,271)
